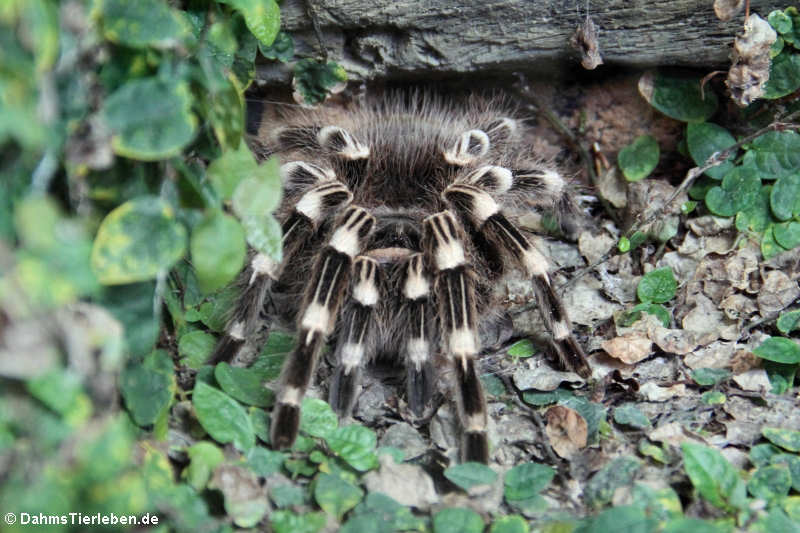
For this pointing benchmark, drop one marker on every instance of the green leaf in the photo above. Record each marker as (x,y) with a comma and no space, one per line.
(133,306)
(204,457)
(142,23)
(757,216)
(317,418)
(710,376)
(638,159)
(260,193)
(657,286)
(218,250)
(703,140)
(509,524)
(314,79)
(739,190)
(624,518)
(468,475)
(691,525)
(780,21)
(224,419)
(336,496)
(788,439)
(770,248)
(774,154)
(785,197)
(493,385)
(524,482)
(148,387)
(150,118)
(545,398)
(387,514)
(618,473)
(457,520)
(762,454)
(136,241)
(263,18)
(770,482)
(521,349)
(713,476)
(287,495)
(270,361)
(61,391)
(260,420)
(243,384)
(630,415)
(288,522)
(784,76)
(225,107)
(792,462)
(775,520)
(676,97)
(195,347)
(789,322)
(264,234)
(629,317)
(356,445)
(787,234)
(228,170)
(779,350)
(713,397)
(282,48)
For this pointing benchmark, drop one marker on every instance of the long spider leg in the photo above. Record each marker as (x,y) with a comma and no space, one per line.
(322,299)
(355,338)
(416,313)
(248,317)
(455,291)
(485,214)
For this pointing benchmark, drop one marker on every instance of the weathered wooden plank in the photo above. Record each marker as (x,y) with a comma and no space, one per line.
(403,39)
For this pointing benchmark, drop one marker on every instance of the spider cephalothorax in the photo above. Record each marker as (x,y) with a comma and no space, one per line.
(396,223)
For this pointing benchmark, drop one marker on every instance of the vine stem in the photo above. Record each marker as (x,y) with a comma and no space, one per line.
(717,158)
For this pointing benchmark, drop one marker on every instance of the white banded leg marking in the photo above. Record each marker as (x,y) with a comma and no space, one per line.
(297,174)
(469,146)
(342,142)
(494,179)
(478,204)
(348,237)
(447,248)
(365,288)
(325,195)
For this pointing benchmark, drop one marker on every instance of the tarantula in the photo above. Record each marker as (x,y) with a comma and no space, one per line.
(395,227)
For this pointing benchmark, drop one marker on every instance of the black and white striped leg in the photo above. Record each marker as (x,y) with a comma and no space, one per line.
(418,340)
(455,292)
(316,319)
(356,338)
(485,214)
(248,315)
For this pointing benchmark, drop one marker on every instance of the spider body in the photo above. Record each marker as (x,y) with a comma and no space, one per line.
(395,227)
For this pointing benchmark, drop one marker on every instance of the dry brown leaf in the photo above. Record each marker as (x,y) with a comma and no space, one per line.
(585,41)
(777,291)
(630,348)
(754,380)
(673,434)
(654,393)
(408,484)
(567,430)
(751,61)
(613,187)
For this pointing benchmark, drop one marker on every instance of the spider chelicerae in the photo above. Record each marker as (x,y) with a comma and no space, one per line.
(397,219)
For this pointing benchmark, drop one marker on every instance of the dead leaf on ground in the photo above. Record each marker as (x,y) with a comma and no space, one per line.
(777,292)
(751,61)
(535,373)
(630,348)
(654,393)
(408,484)
(567,430)
(673,434)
